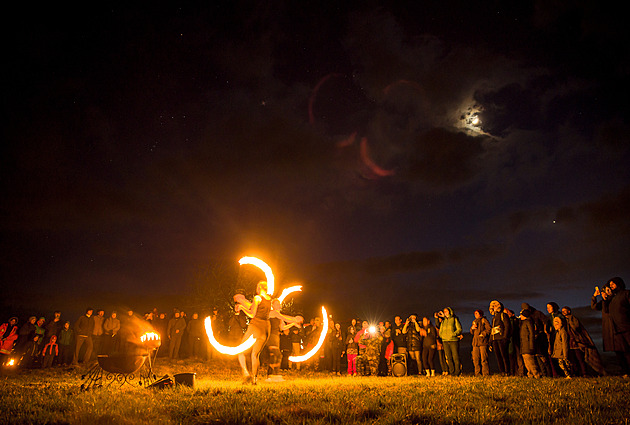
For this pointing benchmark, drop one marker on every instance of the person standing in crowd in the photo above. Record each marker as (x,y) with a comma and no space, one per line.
(411,330)
(8,336)
(352,351)
(97,333)
(296,344)
(480,331)
(439,318)
(539,320)
(560,352)
(66,338)
(399,338)
(608,329)
(25,335)
(429,345)
(40,331)
(451,333)
(618,307)
(581,345)
(527,339)
(160,325)
(175,331)
(54,326)
(111,327)
(50,352)
(337,349)
(285,348)
(554,311)
(83,329)
(196,334)
(514,347)
(500,336)
(368,363)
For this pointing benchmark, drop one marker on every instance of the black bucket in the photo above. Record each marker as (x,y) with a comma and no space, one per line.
(186,379)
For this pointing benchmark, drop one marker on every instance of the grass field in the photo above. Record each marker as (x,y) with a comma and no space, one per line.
(53,396)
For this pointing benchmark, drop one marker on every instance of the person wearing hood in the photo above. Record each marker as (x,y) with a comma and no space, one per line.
(619,309)
(581,345)
(500,336)
(450,333)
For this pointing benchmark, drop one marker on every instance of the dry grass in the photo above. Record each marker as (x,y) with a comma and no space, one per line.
(53,396)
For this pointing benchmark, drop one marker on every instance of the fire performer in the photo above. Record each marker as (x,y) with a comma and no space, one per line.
(265,326)
(259,327)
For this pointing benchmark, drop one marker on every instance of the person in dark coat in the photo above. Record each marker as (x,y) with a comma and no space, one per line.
(619,309)
(83,329)
(608,329)
(581,345)
(527,340)
(500,336)
(539,320)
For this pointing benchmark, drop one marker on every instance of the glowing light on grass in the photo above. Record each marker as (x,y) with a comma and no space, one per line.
(287,291)
(224,349)
(262,266)
(11,362)
(322,337)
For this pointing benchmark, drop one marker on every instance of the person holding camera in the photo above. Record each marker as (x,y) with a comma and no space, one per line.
(414,340)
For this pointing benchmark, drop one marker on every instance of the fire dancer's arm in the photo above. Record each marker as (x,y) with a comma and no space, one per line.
(250,310)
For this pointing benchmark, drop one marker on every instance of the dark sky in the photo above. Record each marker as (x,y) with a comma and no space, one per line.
(336,141)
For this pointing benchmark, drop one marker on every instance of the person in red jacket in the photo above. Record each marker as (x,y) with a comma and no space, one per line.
(8,336)
(50,352)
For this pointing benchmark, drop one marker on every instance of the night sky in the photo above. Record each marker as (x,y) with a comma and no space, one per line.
(392,158)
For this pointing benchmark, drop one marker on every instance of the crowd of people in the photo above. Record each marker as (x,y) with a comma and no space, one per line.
(532,343)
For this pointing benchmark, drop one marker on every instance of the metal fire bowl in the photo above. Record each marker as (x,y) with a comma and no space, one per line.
(123,364)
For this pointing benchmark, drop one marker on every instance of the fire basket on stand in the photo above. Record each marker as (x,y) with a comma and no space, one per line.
(122,367)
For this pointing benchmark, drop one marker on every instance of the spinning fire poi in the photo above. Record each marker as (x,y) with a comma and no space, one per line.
(260,310)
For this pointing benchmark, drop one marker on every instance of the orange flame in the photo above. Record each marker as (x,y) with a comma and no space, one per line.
(224,349)
(262,266)
(322,337)
(150,336)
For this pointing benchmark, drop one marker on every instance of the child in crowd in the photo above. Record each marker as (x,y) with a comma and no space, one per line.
(560,351)
(352,350)
(50,352)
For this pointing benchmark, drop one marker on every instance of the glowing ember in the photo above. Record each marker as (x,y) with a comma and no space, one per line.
(287,291)
(223,349)
(262,266)
(322,337)
(11,362)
